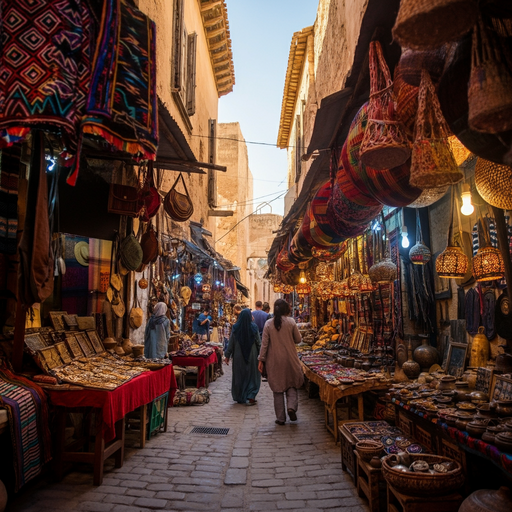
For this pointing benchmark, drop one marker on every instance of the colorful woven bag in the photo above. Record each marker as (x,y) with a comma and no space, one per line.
(385,144)
(433,164)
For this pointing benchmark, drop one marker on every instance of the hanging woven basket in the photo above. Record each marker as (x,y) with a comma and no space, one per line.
(427,24)
(384,271)
(429,196)
(490,82)
(419,254)
(385,143)
(433,164)
(494,183)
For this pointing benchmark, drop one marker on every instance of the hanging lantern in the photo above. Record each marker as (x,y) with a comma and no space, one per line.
(286,288)
(384,271)
(488,264)
(206,288)
(355,281)
(303,289)
(419,254)
(366,285)
(452,262)
(277,288)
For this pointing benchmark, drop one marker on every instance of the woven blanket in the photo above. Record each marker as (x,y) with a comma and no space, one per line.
(44,69)
(26,407)
(122,107)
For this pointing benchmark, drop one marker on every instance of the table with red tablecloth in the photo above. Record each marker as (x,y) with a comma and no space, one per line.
(114,406)
(202,364)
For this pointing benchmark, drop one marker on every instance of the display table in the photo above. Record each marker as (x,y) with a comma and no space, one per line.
(202,363)
(398,502)
(331,395)
(110,408)
(368,479)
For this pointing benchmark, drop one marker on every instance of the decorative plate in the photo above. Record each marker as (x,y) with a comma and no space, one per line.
(387,440)
(414,448)
(392,449)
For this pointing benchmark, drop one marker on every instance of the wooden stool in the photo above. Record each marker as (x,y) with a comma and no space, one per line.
(368,479)
(400,502)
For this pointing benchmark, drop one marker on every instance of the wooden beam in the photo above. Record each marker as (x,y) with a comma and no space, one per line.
(205,165)
(210,5)
(220,213)
(213,21)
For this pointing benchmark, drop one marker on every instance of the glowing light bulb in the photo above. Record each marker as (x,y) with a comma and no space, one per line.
(302,278)
(405,238)
(467,207)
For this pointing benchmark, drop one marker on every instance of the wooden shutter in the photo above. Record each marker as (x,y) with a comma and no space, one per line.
(298,149)
(191,73)
(212,156)
(176,77)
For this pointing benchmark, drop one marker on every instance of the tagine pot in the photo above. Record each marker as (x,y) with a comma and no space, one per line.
(488,500)
(127,346)
(411,368)
(426,355)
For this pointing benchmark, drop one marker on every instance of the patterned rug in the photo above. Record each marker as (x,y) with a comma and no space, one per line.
(26,407)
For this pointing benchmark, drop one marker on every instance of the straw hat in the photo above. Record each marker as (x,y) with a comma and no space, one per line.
(82,253)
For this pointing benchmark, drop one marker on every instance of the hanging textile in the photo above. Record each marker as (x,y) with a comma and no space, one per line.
(488,309)
(27,411)
(472,307)
(122,105)
(44,69)
(75,282)
(9,176)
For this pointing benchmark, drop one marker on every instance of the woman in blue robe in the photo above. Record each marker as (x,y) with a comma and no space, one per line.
(156,337)
(244,348)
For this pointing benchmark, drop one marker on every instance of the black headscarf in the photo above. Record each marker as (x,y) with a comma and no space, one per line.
(245,332)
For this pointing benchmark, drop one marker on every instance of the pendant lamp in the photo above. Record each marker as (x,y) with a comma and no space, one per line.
(303,289)
(452,262)
(488,263)
(419,254)
(385,271)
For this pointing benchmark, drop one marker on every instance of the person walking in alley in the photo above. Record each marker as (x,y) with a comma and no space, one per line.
(243,347)
(203,325)
(278,357)
(156,336)
(259,316)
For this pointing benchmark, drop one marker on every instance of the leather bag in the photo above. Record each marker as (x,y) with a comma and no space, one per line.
(149,244)
(177,205)
(124,200)
(149,198)
(136,313)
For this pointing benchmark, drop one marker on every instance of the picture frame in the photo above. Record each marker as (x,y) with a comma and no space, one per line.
(50,358)
(70,322)
(95,341)
(86,323)
(34,342)
(63,351)
(456,360)
(57,320)
(484,379)
(74,346)
(85,344)
(502,388)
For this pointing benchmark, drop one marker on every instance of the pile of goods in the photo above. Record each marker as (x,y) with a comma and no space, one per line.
(328,335)
(191,396)
(194,351)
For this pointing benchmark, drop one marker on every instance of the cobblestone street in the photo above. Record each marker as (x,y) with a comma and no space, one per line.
(258,466)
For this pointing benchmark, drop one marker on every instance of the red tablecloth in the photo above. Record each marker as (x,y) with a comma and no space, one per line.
(118,403)
(201,362)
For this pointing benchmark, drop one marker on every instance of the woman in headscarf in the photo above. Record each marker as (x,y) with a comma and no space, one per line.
(278,357)
(244,347)
(156,337)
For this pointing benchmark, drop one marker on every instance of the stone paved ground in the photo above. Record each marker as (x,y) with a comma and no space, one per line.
(258,466)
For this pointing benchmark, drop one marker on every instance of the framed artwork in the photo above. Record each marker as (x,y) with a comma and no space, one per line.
(57,321)
(50,358)
(34,342)
(46,337)
(86,323)
(73,346)
(95,341)
(456,360)
(64,354)
(71,322)
(84,343)
(502,388)
(484,380)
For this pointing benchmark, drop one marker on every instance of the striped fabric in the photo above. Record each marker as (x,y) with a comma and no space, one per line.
(26,407)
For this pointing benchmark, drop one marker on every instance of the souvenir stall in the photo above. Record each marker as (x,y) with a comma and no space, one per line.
(406,252)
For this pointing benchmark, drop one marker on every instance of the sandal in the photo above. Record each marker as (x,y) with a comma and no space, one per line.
(292,415)
(280,422)
(252,401)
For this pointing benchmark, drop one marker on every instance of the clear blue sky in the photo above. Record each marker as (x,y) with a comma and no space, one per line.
(261,33)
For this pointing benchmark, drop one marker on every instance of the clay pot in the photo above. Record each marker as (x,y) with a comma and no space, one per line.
(487,500)
(504,408)
(119,350)
(476,428)
(485,411)
(479,396)
(349,363)
(426,355)
(462,391)
(376,463)
(470,377)
(127,346)
(462,421)
(503,442)
(411,368)
(479,349)
(446,383)
(109,343)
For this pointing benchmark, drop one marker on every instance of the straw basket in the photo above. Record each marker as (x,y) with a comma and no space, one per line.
(433,164)
(385,143)
(494,183)
(490,83)
(427,24)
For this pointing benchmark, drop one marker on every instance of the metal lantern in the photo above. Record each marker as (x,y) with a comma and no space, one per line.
(277,288)
(366,284)
(419,254)
(303,289)
(286,288)
(488,264)
(384,271)
(452,262)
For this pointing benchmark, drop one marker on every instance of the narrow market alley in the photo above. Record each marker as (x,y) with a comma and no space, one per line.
(258,465)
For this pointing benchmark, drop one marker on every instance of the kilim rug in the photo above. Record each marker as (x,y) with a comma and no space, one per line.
(27,410)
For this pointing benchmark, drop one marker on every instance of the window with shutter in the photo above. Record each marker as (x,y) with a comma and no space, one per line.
(177,55)
(298,148)
(191,73)
(212,175)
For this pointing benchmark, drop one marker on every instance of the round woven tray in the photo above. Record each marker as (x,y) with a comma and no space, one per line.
(494,183)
